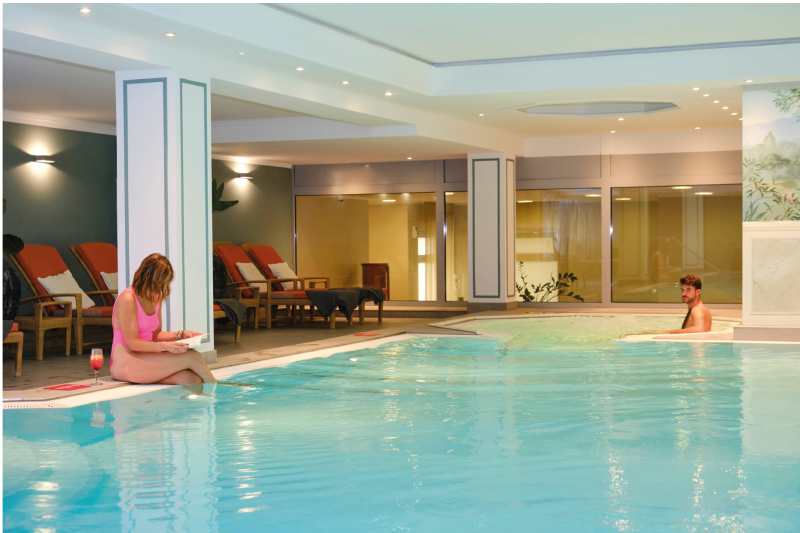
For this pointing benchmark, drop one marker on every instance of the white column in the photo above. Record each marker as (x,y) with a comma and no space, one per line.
(492,231)
(163,183)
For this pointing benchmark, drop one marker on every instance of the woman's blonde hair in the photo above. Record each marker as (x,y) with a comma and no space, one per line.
(153,277)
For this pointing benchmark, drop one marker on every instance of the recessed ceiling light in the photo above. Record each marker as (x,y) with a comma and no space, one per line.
(716,101)
(345,82)
(241,53)
(697,128)
(613,131)
(387,201)
(726,107)
(704,193)
(734,113)
(681,187)
(741,119)
(592,196)
(388,93)
(621,199)
(620,118)
(748,81)
(85,10)
(524,201)
(170,34)
(298,69)
(408,158)
(705,95)
(696,88)
(480,114)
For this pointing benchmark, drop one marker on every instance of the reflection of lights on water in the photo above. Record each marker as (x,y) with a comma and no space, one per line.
(192,396)
(353,359)
(45,486)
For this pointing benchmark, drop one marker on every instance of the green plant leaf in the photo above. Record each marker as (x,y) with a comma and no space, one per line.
(12,244)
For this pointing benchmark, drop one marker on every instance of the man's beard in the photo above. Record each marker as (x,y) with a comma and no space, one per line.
(690,300)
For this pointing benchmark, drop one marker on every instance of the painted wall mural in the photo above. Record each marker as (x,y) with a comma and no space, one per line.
(771,155)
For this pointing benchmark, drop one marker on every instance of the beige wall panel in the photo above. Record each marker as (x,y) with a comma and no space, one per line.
(681,164)
(321,251)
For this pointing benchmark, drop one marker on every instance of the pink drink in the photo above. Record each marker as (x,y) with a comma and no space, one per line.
(96,360)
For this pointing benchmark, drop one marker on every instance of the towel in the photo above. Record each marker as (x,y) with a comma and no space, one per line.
(346,299)
(234,310)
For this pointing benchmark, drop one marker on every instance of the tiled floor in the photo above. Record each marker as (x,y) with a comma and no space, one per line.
(56,369)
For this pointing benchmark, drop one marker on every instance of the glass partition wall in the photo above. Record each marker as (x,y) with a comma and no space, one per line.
(558,233)
(337,234)
(660,234)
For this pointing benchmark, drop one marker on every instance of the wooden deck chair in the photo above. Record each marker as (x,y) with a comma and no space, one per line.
(100,257)
(231,255)
(36,261)
(217,244)
(263,256)
(15,336)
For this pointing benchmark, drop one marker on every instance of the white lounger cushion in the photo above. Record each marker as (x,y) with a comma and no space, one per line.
(250,271)
(65,283)
(282,270)
(110,281)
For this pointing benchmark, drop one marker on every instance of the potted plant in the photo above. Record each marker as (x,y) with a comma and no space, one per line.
(11,286)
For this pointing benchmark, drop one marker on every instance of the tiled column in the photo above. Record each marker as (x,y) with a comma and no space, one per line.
(163,183)
(771,214)
(492,192)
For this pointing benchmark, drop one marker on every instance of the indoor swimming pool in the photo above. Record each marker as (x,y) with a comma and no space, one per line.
(550,424)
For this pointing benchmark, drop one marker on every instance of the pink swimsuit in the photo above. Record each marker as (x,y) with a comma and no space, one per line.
(147,324)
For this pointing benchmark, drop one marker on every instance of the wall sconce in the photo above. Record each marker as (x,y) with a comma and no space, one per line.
(244,176)
(44,159)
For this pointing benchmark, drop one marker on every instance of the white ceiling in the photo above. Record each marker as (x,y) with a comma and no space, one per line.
(46,87)
(441,33)
(365,150)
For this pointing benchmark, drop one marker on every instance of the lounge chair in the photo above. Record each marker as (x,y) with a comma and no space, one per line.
(15,336)
(263,256)
(36,261)
(274,295)
(101,257)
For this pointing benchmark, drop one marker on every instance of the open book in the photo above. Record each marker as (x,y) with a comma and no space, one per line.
(193,341)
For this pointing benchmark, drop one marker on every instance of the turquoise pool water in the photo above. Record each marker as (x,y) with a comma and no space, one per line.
(554,427)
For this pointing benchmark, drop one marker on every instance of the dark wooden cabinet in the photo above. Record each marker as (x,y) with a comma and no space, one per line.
(376,275)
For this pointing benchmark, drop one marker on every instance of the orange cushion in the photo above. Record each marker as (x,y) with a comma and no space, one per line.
(99,257)
(263,257)
(217,307)
(104,312)
(231,255)
(14,328)
(39,261)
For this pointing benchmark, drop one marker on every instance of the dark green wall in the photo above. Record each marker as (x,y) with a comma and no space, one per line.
(264,211)
(69,202)
(74,200)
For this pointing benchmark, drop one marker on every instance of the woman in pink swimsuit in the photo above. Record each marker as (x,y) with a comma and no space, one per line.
(141,352)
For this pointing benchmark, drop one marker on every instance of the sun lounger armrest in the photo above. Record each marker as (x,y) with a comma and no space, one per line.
(92,293)
(313,280)
(38,309)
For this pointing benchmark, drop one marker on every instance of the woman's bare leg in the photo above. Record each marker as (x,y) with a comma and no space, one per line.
(154,367)
(184,377)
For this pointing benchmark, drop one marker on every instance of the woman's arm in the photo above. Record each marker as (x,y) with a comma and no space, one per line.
(171,336)
(126,319)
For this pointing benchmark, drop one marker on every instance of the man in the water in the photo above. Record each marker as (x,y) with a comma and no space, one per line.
(698,318)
